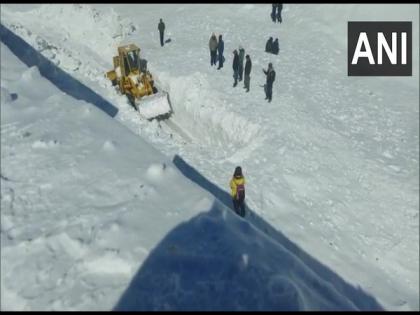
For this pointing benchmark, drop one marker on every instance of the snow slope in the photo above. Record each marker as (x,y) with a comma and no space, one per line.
(332,162)
(77,188)
(85,202)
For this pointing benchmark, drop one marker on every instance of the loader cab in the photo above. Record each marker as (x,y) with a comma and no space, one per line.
(132,60)
(129,59)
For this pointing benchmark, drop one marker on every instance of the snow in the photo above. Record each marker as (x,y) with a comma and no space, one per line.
(102,213)
(152,106)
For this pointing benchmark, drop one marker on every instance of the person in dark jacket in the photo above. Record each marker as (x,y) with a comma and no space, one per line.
(213,49)
(241,62)
(269,45)
(161,28)
(248,66)
(279,8)
(273,12)
(235,67)
(275,48)
(220,49)
(271,76)
(237,186)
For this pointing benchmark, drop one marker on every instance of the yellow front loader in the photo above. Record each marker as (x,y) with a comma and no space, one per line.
(132,78)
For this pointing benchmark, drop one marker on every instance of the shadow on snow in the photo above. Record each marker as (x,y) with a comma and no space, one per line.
(199,265)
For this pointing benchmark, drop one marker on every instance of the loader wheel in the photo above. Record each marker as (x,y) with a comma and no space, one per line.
(114,82)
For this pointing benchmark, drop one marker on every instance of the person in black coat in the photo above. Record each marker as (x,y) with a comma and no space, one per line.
(273,12)
(235,67)
(269,45)
(279,8)
(220,49)
(247,78)
(161,28)
(241,62)
(271,76)
(275,48)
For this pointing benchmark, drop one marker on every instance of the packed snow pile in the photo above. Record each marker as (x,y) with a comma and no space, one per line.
(218,126)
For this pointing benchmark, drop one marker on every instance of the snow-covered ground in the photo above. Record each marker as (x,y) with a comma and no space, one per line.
(95,213)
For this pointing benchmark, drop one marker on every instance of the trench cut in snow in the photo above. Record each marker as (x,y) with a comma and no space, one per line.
(204,115)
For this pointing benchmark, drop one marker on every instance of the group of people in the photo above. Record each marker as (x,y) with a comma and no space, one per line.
(238,68)
(216,47)
(237,183)
(276,12)
(239,71)
(272,47)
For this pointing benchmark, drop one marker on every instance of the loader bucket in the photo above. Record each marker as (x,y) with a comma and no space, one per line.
(154,106)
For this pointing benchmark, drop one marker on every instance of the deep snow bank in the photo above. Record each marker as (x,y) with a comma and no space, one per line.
(202,113)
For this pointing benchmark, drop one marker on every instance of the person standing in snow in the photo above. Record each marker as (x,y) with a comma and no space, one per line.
(220,49)
(235,67)
(213,49)
(161,28)
(269,45)
(279,8)
(248,66)
(237,186)
(271,76)
(241,62)
(273,12)
(275,48)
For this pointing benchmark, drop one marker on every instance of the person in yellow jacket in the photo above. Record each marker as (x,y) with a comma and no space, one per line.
(237,186)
